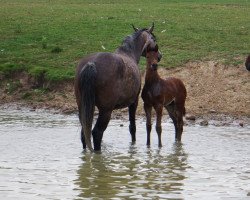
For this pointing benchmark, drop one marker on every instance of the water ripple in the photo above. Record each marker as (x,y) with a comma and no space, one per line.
(41,158)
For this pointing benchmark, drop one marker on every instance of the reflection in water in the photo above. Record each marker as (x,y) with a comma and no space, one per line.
(40,158)
(134,174)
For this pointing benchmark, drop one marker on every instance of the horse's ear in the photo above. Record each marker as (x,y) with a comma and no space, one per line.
(136,29)
(150,30)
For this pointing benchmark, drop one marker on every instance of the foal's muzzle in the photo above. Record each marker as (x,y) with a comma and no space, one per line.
(154,66)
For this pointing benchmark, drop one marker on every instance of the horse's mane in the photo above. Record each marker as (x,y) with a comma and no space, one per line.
(128,43)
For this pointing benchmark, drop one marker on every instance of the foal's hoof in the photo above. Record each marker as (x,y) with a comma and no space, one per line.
(160,145)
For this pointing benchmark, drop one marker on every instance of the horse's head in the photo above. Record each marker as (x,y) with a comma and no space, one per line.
(152,55)
(148,40)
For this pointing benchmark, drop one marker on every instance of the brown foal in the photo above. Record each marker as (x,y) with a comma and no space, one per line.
(158,93)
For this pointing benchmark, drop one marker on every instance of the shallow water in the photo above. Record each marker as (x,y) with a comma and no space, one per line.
(41,158)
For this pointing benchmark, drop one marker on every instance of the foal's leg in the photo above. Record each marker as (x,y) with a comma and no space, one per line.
(172,114)
(100,127)
(180,123)
(158,128)
(176,115)
(148,110)
(132,128)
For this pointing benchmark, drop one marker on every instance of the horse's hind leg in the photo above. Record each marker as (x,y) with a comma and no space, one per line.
(132,128)
(100,127)
(82,133)
(158,128)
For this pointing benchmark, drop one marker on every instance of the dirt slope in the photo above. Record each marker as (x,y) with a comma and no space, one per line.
(212,89)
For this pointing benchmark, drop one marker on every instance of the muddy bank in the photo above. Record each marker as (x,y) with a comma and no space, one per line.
(215,93)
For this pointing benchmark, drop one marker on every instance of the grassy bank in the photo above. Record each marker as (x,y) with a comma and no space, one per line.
(49,37)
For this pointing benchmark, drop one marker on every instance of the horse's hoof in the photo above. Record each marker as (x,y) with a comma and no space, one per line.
(178,141)
(84,150)
(97,151)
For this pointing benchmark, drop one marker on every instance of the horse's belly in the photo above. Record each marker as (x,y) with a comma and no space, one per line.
(117,95)
(127,96)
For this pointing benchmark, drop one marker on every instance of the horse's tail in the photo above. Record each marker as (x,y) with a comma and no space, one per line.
(87,102)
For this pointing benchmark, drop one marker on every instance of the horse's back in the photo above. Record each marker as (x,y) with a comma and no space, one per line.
(117,81)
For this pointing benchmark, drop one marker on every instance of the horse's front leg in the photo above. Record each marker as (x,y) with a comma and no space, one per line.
(100,126)
(83,139)
(132,127)
(148,110)
(158,128)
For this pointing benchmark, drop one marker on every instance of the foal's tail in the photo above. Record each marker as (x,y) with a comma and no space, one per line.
(87,102)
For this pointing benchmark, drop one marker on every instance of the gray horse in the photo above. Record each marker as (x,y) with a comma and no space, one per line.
(110,81)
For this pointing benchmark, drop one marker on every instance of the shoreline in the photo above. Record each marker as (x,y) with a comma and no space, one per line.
(214,119)
(216,94)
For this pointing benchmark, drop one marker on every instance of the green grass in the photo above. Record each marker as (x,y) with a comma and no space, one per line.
(51,36)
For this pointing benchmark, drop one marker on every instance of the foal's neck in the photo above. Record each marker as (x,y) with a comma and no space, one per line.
(152,76)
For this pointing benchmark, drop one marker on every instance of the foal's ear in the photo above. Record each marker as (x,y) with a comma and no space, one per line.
(135,29)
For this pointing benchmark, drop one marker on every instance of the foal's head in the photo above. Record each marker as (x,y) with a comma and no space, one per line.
(153,57)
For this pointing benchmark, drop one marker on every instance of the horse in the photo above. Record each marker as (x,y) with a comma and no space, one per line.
(158,93)
(247,63)
(110,81)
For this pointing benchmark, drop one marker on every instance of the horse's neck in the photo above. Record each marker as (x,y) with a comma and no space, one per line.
(127,54)
(132,49)
(152,76)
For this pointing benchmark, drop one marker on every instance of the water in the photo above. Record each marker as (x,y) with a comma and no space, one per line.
(41,158)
